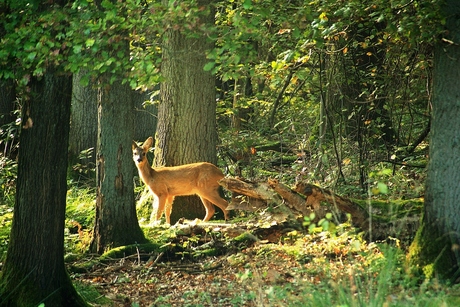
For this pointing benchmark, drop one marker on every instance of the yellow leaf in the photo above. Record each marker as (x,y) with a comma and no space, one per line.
(323,16)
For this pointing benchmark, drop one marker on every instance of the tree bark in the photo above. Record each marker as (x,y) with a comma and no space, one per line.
(186,130)
(145,117)
(83,129)
(116,219)
(435,249)
(34,270)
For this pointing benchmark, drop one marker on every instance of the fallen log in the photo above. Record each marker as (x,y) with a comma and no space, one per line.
(251,189)
(315,195)
(291,205)
(293,200)
(252,196)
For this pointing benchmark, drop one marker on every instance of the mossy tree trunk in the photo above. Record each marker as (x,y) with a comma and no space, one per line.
(186,130)
(83,129)
(116,219)
(436,248)
(34,270)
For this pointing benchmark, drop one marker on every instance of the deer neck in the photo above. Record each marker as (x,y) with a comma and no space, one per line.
(146,172)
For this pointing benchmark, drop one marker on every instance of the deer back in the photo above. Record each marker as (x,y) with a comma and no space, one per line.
(188,179)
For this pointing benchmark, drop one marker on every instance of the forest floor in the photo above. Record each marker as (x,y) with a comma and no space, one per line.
(248,263)
(272,266)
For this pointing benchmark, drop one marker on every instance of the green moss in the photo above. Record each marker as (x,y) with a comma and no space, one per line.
(91,295)
(19,289)
(245,239)
(428,254)
(144,203)
(385,210)
(123,251)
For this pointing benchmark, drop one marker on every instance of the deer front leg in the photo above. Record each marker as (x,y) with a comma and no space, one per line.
(153,216)
(158,208)
(168,208)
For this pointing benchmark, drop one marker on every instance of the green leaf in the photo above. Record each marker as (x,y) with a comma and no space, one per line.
(84,80)
(209,66)
(77,49)
(386,171)
(31,56)
(247,4)
(383,188)
(90,42)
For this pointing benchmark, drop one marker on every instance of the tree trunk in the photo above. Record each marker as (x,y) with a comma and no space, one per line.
(116,219)
(145,117)
(83,128)
(34,270)
(435,249)
(186,129)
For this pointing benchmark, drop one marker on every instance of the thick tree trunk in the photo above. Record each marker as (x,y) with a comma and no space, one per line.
(116,219)
(83,128)
(186,129)
(436,246)
(34,270)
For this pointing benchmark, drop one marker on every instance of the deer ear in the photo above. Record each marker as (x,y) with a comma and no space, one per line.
(148,143)
(134,145)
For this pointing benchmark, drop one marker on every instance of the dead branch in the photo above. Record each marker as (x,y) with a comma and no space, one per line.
(252,196)
(251,189)
(315,195)
(294,201)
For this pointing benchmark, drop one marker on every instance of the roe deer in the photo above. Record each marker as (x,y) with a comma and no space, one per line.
(167,182)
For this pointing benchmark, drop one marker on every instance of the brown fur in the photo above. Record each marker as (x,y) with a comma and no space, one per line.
(167,182)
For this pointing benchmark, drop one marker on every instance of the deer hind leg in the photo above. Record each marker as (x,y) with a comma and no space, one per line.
(209,208)
(215,198)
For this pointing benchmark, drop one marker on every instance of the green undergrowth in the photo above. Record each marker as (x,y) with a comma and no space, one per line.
(322,268)
(387,210)
(276,266)
(6,218)
(316,269)
(91,295)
